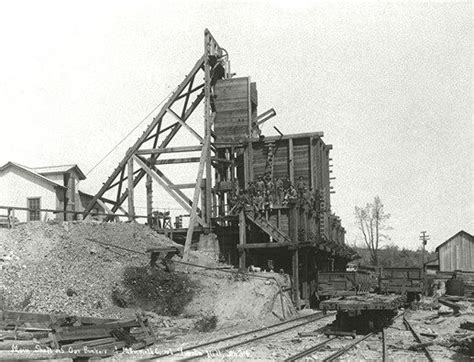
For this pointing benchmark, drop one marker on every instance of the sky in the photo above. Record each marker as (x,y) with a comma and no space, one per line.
(389,84)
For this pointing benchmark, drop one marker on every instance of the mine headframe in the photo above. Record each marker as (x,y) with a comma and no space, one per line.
(142,160)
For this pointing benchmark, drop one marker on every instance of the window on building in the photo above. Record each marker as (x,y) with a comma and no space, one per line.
(34,205)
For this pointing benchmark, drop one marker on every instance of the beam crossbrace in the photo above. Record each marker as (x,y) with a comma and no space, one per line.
(197,67)
(163,184)
(150,151)
(185,125)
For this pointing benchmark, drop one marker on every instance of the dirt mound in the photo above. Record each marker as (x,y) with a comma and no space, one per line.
(60,268)
(234,296)
(66,268)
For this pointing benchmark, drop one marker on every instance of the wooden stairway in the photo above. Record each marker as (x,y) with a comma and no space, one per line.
(269,229)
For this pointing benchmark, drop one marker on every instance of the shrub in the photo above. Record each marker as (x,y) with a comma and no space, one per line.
(206,323)
(154,289)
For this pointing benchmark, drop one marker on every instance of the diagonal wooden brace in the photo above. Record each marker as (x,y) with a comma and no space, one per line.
(165,186)
(197,192)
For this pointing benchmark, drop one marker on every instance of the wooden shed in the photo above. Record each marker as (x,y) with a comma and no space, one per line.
(457,253)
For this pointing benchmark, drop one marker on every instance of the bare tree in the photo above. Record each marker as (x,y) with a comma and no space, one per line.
(371,221)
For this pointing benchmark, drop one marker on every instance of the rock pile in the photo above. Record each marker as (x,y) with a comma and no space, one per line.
(67,268)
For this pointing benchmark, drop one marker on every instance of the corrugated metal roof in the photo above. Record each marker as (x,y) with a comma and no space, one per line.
(60,169)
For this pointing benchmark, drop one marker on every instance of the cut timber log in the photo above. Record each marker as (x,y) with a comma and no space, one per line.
(454,306)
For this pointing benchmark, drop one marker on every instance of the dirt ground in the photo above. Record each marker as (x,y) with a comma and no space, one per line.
(42,261)
(399,340)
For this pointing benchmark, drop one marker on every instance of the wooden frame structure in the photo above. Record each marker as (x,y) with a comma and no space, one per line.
(147,149)
(233,155)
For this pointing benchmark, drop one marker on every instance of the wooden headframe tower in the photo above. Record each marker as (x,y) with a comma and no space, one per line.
(267,199)
(142,160)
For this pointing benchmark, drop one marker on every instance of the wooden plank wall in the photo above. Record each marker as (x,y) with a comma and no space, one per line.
(301,161)
(283,222)
(259,159)
(310,160)
(457,254)
(280,161)
(231,101)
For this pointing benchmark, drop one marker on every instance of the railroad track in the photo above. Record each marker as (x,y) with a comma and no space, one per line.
(252,336)
(332,357)
(344,349)
(418,339)
(310,351)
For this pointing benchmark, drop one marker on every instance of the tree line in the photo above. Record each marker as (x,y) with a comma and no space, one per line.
(393,256)
(372,221)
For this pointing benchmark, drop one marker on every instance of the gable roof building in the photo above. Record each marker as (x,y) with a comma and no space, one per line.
(457,253)
(52,188)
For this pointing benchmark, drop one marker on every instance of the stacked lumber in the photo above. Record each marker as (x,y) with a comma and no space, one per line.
(79,336)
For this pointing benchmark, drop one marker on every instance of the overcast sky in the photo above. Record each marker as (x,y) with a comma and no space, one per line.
(389,84)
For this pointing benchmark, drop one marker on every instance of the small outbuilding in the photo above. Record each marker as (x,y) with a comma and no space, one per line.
(457,253)
(48,192)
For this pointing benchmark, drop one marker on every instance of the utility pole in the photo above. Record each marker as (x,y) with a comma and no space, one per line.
(424,239)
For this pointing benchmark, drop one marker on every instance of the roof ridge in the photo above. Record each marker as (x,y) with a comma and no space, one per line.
(32,171)
(68,164)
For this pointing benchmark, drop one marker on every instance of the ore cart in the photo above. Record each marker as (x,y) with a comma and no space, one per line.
(363,313)
(406,281)
(333,284)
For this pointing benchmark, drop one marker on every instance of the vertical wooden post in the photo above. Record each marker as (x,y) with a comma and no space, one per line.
(246,167)
(131,204)
(9,218)
(306,224)
(242,240)
(291,165)
(218,195)
(203,199)
(306,291)
(296,278)
(311,163)
(149,199)
(250,146)
(293,222)
(317,154)
(208,119)
(250,162)
(328,193)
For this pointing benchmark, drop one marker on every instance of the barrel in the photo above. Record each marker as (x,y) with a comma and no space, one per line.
(455,287)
